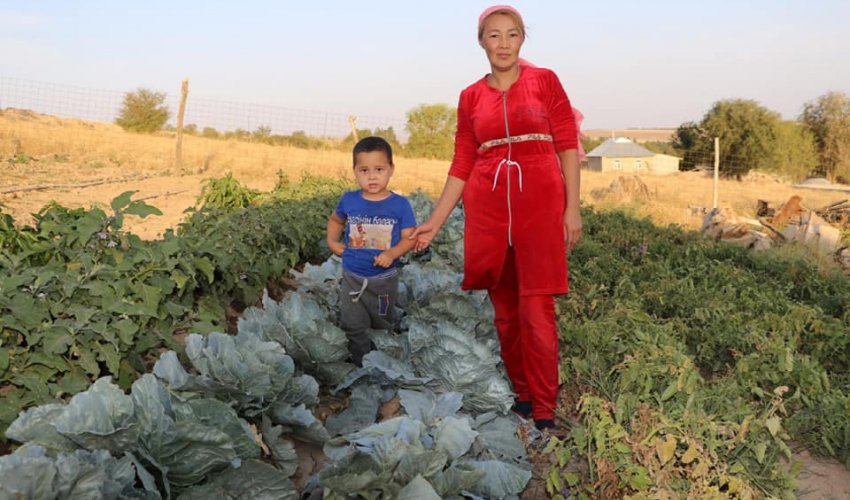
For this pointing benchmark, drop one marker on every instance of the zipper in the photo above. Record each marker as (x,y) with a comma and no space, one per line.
(508,136)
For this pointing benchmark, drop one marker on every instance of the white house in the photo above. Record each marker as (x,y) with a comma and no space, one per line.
(622,155)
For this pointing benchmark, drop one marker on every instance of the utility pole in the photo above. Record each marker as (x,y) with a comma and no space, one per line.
(352,120)
(716,170)
(178,152)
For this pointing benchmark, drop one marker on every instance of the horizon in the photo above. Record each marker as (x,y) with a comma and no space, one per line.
(654,65)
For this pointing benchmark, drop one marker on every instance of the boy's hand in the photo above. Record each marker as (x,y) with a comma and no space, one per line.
(383,259)
(337,248)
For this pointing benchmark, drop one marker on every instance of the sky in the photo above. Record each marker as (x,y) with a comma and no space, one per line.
(651,63)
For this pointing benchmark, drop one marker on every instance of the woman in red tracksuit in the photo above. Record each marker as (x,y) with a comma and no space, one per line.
(516,166)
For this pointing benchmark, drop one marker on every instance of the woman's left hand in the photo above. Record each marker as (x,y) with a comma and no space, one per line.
(572,228)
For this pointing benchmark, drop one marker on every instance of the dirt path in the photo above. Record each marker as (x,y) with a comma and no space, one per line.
(822,478)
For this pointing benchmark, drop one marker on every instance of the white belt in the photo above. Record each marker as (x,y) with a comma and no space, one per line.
(513,139)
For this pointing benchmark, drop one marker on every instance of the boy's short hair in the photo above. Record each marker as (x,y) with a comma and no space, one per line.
(371,144)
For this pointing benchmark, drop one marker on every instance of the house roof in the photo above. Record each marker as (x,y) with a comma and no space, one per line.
(620,147)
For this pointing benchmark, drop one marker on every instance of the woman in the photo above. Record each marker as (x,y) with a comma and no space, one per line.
(516,166)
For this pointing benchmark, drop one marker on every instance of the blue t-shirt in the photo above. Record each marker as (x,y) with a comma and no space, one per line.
(370,228)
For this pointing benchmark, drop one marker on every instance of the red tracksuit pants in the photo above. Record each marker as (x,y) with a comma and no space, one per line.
(529,341)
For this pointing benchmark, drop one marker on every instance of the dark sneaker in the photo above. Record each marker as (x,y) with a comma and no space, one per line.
(547,426)
(522,408)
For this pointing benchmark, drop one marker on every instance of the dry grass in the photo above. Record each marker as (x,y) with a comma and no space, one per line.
(71,151)
(677,198)
(60,151)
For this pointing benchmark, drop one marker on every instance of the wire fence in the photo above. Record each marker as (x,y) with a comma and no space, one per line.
(43,123)
(68,101)
(60,142)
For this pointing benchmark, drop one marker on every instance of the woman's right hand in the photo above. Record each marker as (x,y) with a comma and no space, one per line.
(424,234)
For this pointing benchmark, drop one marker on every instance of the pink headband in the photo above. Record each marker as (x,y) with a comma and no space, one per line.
(496,8)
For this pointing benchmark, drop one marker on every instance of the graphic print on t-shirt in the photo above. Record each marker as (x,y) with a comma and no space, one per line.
(370,233)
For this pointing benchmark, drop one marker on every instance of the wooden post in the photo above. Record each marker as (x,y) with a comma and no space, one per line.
(352,120)
(716,169)
(178,153)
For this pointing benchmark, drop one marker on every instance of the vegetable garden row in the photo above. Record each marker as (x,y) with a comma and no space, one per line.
(698,363)
(690,367)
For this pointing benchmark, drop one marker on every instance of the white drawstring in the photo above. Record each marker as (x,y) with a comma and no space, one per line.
(509,163)
(355,296)
(496,177)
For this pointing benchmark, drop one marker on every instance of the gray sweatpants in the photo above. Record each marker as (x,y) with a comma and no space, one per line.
(366,303)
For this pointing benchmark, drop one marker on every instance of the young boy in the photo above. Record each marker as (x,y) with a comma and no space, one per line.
(375,224)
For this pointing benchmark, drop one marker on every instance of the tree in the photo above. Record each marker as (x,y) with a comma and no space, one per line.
(690,142)
(688,136)
(431,128)
(828,118)
(388,134)
(660,147)
(348,143)
(747,132)
(143,111)
(795,154)
(299,139)
(210,133)
(240,134)
(262,134)
(590,143)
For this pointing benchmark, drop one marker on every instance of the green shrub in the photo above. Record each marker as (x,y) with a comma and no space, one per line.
(143,111)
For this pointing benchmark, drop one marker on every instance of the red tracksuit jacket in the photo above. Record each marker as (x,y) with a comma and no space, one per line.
(506,150)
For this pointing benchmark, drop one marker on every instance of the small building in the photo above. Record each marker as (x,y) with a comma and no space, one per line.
(664,164)
(622,155)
